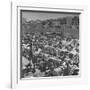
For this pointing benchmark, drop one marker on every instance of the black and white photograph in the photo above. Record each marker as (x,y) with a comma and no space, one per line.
(49,44)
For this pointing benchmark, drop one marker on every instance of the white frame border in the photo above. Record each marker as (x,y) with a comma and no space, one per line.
(15,49)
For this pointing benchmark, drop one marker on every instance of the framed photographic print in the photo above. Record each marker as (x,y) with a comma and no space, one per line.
(47,45)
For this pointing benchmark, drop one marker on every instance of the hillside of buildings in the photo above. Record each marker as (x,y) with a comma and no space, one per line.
(67,26)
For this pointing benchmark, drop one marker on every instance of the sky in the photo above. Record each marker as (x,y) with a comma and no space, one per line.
(28,15)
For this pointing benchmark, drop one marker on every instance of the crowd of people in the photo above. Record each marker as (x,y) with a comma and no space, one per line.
(49,54)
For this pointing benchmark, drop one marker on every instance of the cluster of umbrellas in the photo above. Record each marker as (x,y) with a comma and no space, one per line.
(43,56)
